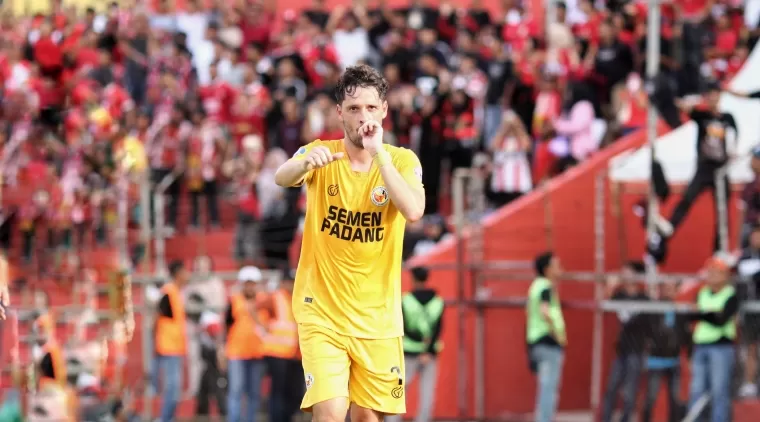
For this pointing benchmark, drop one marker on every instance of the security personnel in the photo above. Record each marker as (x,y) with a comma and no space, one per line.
(246,321)
(282,356)
(57,398)
(545,334)
(52,365)
(713,359)
(423,315)
(171,339)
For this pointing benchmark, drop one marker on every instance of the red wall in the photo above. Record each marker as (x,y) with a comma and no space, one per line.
(518,232)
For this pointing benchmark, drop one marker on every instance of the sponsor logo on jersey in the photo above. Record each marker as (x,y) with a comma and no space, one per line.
(379,196)
(301,151)
(353,226)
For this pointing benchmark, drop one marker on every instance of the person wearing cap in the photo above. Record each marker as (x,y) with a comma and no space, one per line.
(714,131)
(246,319)
(171,340)
(714,337)
(748,268)
(423,316)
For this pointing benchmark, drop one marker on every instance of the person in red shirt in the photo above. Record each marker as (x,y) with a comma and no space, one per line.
(217,97)
(726,38)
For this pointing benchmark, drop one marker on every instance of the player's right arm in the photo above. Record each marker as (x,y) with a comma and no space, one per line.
(299,168)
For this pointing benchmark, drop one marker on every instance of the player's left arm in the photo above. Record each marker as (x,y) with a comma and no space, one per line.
(402,175)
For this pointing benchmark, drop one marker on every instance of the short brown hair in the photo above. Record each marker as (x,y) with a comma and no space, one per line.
(361,76)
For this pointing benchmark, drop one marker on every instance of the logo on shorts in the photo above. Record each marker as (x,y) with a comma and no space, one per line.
(379,196)
(307,300)
(398,391)
(309,380)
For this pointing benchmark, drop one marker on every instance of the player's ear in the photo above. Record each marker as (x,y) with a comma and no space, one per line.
(385,108)
(340,111)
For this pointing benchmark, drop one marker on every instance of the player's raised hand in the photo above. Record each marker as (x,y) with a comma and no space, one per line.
(372,136)
(320,156)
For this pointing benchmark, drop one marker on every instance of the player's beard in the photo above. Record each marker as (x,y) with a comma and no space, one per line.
(353,136)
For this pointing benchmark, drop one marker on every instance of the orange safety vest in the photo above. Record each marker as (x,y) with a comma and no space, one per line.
(171,333)
(245,337)
(282,341)
(59,366)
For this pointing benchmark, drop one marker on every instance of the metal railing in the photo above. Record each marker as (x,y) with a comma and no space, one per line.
(159,212)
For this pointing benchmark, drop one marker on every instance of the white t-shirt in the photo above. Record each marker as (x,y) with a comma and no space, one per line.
(352,46)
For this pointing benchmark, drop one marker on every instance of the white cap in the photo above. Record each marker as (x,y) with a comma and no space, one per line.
(250,273)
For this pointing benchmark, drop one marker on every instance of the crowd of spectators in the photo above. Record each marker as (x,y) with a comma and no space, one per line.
(217,96)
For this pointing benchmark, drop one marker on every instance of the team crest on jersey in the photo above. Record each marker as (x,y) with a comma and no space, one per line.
(379,196)
(301,151)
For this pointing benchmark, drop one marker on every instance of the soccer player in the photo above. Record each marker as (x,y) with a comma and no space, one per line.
(347,294)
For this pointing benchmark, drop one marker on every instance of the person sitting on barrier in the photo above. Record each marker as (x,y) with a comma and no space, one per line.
(669,335)
(715,130)
(748,268)
(545,334)
(712,363)
(627,366)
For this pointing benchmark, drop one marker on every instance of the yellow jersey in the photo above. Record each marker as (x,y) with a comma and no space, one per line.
(349,272)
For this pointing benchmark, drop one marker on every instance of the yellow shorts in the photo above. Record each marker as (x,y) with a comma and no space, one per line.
(369,372)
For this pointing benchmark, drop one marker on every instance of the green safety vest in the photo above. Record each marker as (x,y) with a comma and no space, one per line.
(537,326)
(421,319)
(707,301)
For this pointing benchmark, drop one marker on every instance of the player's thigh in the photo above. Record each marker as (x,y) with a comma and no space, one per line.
(326,368)
(377,376)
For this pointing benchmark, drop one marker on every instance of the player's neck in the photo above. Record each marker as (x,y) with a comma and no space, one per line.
(357,156)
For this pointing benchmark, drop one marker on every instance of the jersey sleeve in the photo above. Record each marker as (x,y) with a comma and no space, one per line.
(408,165)
(301,155)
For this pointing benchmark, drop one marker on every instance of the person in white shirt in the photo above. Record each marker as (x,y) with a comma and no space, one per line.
(510,176)
(350,37)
